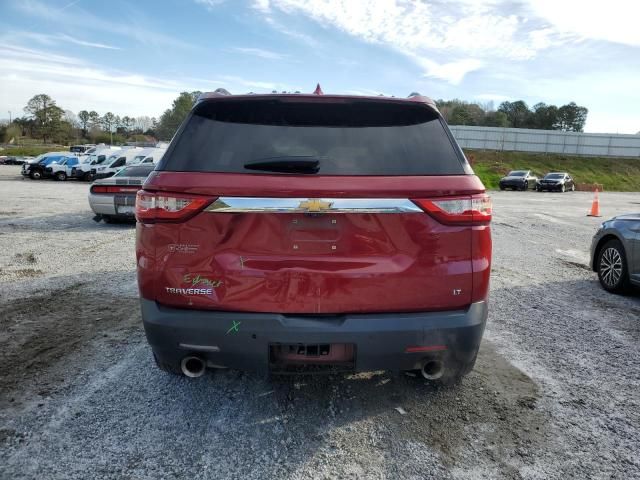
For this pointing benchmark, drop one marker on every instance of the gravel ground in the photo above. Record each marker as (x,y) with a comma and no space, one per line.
(554,393)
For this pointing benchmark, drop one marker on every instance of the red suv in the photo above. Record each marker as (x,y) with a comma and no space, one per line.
(314,233)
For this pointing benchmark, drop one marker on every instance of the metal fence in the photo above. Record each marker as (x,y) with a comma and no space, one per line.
(547,141)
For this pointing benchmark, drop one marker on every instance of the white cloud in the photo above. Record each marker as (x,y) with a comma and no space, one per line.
(262,6)
(52,39)
(28,55)
(489,97)
(453,72)
(76,84)
(611,20)
(289,32)
(209,4)
(450,39)
(138,32)
(235,84)
(367,92)
(464,32)
(259,52)
(603,121)
(85,43)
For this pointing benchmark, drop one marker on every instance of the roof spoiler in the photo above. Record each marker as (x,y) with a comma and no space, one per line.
(416,97)
(218,92)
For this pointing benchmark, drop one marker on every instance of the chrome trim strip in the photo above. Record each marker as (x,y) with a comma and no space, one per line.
(199,348)
(312,205)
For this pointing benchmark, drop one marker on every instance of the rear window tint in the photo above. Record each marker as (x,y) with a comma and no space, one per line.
(135,171)
(347,138)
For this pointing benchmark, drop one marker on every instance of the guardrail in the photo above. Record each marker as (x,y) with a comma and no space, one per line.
(547,141)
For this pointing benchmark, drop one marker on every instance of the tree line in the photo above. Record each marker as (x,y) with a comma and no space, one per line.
(45,120)
(567,118)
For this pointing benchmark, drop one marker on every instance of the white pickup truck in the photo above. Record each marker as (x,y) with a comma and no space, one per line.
(83,170)
(115,162)
(62,169)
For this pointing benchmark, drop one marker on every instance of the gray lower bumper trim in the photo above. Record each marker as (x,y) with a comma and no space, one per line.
(243,339)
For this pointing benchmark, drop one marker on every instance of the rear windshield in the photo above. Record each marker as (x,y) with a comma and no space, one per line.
(135,171)
(348,138)
(50,159)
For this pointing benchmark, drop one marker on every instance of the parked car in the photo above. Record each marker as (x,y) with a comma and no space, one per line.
(518,180)
(81,148)
(17,160)
(87,164)
(98,147)
(8,160)
(36,169)
(556,182)
(288,233)
(114,198)
(61,169)
(615,253)
(148,155)
(115,162)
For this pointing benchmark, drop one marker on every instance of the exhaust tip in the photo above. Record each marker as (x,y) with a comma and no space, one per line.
(432,369)
(193,366)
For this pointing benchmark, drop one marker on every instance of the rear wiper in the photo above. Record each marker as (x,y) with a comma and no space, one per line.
(292,164)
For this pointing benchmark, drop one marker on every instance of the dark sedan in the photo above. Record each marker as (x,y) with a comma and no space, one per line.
(615,253)
(556,182)
(518,180)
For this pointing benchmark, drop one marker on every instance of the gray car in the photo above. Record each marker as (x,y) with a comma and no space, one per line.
(615,253)
(114,198)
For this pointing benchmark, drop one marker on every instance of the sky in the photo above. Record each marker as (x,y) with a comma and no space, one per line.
(133,58)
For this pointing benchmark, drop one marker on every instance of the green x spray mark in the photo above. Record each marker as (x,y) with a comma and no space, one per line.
(235,328)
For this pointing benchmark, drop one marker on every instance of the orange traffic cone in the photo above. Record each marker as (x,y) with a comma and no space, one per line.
(595,206)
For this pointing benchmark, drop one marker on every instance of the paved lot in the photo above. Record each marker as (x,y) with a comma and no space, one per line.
(554,393)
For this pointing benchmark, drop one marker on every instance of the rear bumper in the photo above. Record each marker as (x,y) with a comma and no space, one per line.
(592,251)
(102,204)
(550,187)
(512,184)
(380,339)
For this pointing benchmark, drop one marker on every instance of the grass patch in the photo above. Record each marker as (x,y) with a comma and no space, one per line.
(615,174)
(34,151)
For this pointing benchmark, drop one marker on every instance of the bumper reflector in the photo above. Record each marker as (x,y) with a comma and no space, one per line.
(425,348)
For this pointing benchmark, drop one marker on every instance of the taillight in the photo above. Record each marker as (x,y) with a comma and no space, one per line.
(167,207)
(114,189)
(468,210)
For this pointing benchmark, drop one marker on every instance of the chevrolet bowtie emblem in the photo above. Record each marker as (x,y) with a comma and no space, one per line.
(315,205)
